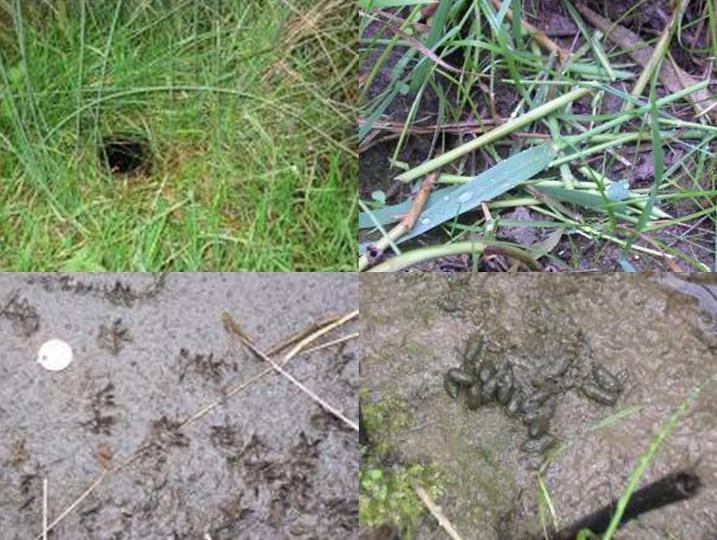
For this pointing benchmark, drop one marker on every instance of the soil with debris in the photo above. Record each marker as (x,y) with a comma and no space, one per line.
(151,351)
(657,333)
(428,137)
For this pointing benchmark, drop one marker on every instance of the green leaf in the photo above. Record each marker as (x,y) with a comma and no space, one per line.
(626,265)
(540,249)
(447,203)
(434,36)
(379,196)
(580,197)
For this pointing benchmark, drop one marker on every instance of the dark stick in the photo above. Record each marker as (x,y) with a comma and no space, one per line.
(672,488)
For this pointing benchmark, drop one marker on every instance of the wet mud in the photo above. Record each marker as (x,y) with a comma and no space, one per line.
(150,352)
(656,336)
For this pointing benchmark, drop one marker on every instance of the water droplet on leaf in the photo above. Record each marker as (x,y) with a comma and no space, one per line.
(618,191)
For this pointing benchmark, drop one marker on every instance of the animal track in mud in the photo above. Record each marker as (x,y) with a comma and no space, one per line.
(294,487)
(18,453)
(102,423)
(29,486)
(234,513)
(106,519)
(289,481)
(205,365)
(114,337)
(24,317)
(340,361)
(225,437)
(166,432)
(251,452)
(286,481)
(119,294)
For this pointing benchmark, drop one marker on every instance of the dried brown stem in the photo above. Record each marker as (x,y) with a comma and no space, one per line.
(44,509)
(434,509)
(405,225)
(671,76)
(231,325)
(538,35)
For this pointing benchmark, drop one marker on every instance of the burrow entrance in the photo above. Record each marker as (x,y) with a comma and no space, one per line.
(126,154)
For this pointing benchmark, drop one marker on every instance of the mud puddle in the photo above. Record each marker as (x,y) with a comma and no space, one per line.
(150,351)
(658,335)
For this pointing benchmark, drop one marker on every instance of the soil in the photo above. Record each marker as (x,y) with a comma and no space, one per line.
(150,351)
(657,334)
(572,252)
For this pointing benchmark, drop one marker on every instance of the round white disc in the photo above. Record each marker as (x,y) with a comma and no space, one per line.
(55,355)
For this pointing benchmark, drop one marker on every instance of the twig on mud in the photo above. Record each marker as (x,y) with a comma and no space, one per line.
(314,334)
(298,336)
(404,226)
(333,342)
(304,337)
(675,487)
(74,505)
(434,509)
(44,509)
(317,334)
(231,325)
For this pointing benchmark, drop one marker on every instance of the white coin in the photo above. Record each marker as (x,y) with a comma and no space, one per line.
(54,355)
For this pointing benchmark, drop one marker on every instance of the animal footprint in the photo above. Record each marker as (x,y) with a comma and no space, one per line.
(113,338)
(100,423)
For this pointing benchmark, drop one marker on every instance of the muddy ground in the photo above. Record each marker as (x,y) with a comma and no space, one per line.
(149,352)
(658,333)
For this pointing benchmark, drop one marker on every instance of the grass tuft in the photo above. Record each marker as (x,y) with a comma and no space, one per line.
(247,107)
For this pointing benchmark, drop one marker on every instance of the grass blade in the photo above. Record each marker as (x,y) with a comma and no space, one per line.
(447,203)
(493,135)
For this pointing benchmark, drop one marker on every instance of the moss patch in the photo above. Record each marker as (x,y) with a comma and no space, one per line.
(383,419)
(388,495)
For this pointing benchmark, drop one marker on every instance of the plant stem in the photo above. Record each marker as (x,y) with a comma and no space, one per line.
(493,135)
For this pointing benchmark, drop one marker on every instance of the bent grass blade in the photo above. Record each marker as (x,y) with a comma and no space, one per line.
(447,203)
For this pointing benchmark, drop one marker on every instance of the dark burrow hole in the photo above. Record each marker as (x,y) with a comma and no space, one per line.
(125,154)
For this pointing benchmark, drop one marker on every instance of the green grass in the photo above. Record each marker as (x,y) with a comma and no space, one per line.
(548,515)
(388,496)
(471,61)
(248,110)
